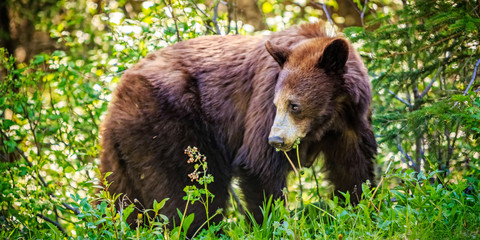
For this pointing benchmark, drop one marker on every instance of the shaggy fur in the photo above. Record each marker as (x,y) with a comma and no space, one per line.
(217,93)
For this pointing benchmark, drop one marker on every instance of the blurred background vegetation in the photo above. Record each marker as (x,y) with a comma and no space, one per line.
(61,60)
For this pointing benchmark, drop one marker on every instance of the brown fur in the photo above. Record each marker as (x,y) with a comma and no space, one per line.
(217,93)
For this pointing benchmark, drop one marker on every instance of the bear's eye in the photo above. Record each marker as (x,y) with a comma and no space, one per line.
(294,108)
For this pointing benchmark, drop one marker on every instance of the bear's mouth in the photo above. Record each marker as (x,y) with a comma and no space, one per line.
(284,148)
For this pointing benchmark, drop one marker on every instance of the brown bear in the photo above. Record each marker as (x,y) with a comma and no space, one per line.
(239,99)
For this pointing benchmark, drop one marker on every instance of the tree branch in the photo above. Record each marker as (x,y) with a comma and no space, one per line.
(325,10)
(179,39)
(400,99)
(473,77)
(206,23)
(235,15)
(425,91)
(410,163)
(53,222)
(363,12)
(215,16)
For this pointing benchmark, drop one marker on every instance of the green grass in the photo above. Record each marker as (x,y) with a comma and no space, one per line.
(403,206)
(411,210)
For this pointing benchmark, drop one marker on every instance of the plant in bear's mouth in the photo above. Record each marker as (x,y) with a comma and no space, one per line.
(295,146)
(194,194)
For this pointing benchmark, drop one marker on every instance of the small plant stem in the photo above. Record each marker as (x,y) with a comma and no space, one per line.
(183,217)
(291,163)
(319,208)
(298,157)
(379,184)
(201,226)
(295,220)
(138,229)
(300,185)
(112,212)
(301,190)
(316,181)
(206,195)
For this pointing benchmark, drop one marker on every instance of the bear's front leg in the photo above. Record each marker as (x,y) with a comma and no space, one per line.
(258,189)
(349,158)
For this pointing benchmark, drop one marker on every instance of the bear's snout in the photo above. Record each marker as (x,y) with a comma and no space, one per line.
(276,142)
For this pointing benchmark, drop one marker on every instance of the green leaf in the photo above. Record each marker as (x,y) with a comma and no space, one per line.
(188,221)
(157,206)
(127,211)
(7,123)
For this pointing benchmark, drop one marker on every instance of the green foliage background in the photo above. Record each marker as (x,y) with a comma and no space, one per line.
(422,58)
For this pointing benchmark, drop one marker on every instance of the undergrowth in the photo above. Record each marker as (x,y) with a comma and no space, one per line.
(415,208)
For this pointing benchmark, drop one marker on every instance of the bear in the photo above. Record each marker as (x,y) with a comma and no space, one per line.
(242,101)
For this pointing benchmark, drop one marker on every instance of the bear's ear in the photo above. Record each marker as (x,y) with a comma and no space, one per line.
(278,53)
(334,56)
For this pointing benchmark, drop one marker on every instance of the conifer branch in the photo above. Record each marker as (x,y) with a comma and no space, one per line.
(422,48)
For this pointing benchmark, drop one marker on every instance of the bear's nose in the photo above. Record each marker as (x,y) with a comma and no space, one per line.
(276,141)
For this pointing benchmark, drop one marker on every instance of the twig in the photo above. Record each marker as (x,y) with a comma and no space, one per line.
(67,206)
(471,81)
(174,18)
(199,9)
(52,222)
(325,10)
(425,91)
(89,110)
(205,14)
(363,12)
(451,146)
(235,15)
(473,77)
(400,99)
(229,15)
(215,15)
(400,148)
(33,127)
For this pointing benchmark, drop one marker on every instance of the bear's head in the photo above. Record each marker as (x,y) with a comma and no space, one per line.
(307,89)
